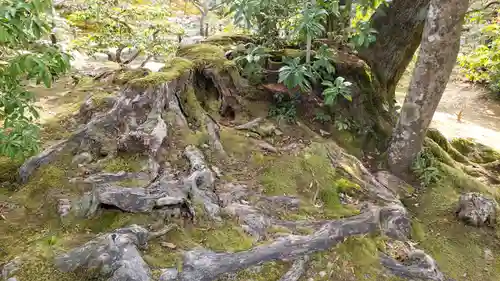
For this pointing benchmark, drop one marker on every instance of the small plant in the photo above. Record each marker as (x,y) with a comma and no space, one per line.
(425,166)
(343,124)
(338,87)
(364,35)
(322,65)
(284,109)
(251,63)
(295,74)
(322,117)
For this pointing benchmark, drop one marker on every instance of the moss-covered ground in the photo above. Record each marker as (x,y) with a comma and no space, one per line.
(32,229)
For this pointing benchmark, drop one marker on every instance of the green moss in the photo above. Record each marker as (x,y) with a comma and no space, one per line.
(357,258)
(192,107)
(9,169)
(228,237)
(465,146)
(270,271)
(124,76)
(126,163)
(311,176)
(176,68)
(158,256)
(203,55)
(458,249)
(237,143)
(278,229)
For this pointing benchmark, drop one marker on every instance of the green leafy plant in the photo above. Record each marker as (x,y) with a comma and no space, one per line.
(23,57)
(364,35)
(295,75)
(251,63)
(322,65)
(339,87)
(322,117)
(343,124)
(284,108)
(425,166)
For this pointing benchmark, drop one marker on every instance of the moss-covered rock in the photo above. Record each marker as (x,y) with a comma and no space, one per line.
(205,55)
(174,69)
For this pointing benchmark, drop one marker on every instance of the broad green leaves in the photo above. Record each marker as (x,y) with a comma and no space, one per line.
(295,75)
(251,63)
(23,57)
(333,90)
(310,24)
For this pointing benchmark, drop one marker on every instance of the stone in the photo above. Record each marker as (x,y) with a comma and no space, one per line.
(82,158)
(169,275)
(63,207)
(476,210)
(488,256)
(11,268)
(115,254)
(168,201)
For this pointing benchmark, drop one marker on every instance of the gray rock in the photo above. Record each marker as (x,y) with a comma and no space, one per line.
(82,158)
(168,201)
(63,207)
(11,268)
(169,275)
(477,210)
(114,254)
(12,279)
(127,199)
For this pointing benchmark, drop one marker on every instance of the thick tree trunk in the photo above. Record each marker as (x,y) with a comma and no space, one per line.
(399,28)
(438,53)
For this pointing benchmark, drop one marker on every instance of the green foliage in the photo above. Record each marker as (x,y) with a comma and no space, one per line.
(425,166)
(322,117)
(285,108)
(294,75)
(251,63)
(310,24)
(338,87)
(364,35)
(482,64)
(23,57)
(322,66)
(121,24)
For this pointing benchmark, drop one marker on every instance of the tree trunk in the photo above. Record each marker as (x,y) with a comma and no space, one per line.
(438,54)
(399,26)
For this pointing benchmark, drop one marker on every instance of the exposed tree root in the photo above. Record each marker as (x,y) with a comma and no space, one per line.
(297,270)
(204,265)
(418,266)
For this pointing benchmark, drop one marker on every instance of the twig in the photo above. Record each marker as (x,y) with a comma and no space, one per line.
(165,230)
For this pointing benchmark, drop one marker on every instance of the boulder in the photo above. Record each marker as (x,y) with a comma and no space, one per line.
(477,210)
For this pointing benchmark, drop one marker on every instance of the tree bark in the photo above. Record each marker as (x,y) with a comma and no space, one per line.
(399,26)
(438,53)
